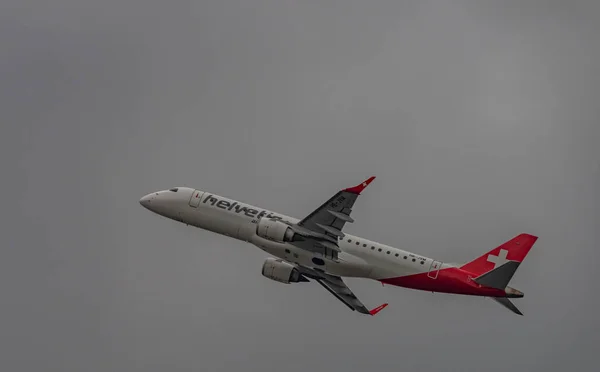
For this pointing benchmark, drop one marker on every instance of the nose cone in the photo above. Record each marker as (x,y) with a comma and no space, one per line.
(167,203)
(146,201)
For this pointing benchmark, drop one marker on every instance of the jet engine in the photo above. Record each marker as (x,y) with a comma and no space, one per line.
(274,230)
(281,271)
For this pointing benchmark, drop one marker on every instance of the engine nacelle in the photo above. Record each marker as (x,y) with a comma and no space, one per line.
(274,230)
(281,271)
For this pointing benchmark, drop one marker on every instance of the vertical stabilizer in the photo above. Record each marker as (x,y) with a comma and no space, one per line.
(515,249)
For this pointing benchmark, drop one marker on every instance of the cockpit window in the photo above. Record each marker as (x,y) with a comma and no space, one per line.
(173,189)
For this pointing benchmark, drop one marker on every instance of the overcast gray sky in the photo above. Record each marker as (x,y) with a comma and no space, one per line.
(479,119)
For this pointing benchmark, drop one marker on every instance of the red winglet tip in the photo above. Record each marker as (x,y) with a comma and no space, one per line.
(359,188)
(378,309)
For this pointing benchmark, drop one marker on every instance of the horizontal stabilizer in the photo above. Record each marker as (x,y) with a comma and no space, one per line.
(499,277)
(507,304)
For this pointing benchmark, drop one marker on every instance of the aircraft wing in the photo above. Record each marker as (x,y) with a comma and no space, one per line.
(336,286)
(323,227)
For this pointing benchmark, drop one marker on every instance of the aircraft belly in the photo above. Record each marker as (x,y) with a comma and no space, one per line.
(246,229)
(381,271)
(348,265)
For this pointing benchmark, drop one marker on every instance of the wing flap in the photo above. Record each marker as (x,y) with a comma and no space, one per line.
(327,221)
(335,294)
(329,245)
(342,216)
(331,230)
(336,286)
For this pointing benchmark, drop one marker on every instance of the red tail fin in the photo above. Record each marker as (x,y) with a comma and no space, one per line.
(513,250)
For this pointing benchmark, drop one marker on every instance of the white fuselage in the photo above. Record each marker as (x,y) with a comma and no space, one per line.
(359,257)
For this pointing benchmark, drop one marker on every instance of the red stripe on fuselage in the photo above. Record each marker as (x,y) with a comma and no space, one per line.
(449,280)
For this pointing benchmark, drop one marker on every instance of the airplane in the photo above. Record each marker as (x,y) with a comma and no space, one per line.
(315,248)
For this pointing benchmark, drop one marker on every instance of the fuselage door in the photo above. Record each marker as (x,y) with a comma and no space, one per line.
(434,269)
(195,199)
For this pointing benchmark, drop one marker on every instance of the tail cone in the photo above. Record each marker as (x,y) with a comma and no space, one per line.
(513,293)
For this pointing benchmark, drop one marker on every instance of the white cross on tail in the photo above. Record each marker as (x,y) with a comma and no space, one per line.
(498,260)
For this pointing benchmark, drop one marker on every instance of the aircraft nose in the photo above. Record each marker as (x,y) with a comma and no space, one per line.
(146,200)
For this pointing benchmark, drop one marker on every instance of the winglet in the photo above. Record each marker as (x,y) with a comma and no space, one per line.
(378,309)
(359,188)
